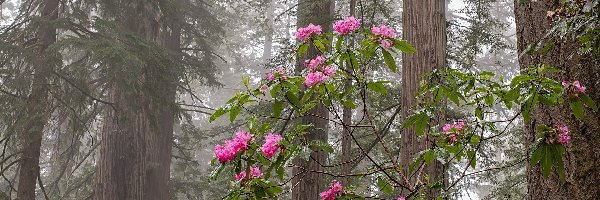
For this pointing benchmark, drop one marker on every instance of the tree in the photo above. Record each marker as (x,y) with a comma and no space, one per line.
(424,26)
(534,21)
(310,183)
(37,108)
(135,150)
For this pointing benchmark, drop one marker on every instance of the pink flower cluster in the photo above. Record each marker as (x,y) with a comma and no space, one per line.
(271,145)
(575,87)
(315,62)
(563,137)
(346,26)
(254,173)
(279,71)
(231,148)
(401,198)
(334,189)
(305,32)
(454,131)
(317,75)
(385,35)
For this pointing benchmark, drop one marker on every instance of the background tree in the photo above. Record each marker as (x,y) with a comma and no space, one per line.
(534,21)
(424,26)
(308,184)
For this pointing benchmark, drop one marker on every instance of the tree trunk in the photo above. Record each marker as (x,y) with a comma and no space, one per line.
(135,150)
(347,121)
(268,48)
(424,26)
(308,185)
(37,107)
(581,155)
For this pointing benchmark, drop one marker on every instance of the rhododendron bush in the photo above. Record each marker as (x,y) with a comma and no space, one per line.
(259,153)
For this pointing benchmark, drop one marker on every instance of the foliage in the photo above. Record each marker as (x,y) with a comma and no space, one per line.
(453,144)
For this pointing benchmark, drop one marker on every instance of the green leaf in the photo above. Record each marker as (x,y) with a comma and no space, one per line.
(489,100)
(320,46)
(233,113)
(338,43)
(404,46)
(377,87)
(348,104)
(527,107)
(277,108)
(479,112)
(429,156)
(264,161)
(389,60)
(322,146)
(421,124)
(588,101)
(246,80)
(472,159)
(280,173)
(353,61)
(302,49)
(537,155)
(307,107)
(384,185)
(220,112)
(293,99)
(577,108)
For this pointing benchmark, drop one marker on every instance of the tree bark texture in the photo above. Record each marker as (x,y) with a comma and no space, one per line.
(582,154)
(135,149)
(37,108)
(308,185)
(424,26)
(347,120)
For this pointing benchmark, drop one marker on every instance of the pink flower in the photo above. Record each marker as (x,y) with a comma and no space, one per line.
(452,138)
(334,189)
(579,86)
(270,76)
(224,154)
(254,173)
(279,70)
(447,128)
(329,70)
(314,78)
(563,138)
(564,129)
(384,31)
(270,147)
(387,44)
(346,26)
(304,33)
(459,125)
(264,88)
(231,148)
(401,198)
(314,63)
(575,89)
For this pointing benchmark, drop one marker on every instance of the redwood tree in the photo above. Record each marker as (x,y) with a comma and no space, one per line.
(581,156)
(309,183)
(423,26)
(135,150)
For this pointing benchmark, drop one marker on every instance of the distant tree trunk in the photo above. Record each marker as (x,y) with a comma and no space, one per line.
(135,150)
(268,48)
(37,107)
(581,157)
(347,120)
(310,184)
(424,26)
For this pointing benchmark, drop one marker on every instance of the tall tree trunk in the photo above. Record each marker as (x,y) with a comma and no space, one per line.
(581,156)
(424,26)
(268,48)
(37,109)
(135,150)
(308,185)
(347,121)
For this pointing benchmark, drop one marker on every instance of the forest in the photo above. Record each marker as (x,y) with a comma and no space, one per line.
(299,99)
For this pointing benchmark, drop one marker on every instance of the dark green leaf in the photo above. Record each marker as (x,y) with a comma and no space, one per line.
(277,108)
(577,108)
(588,101)
(384,185)
(220,112)
(404,46)
(302,49)
(377,87)
(389,60)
